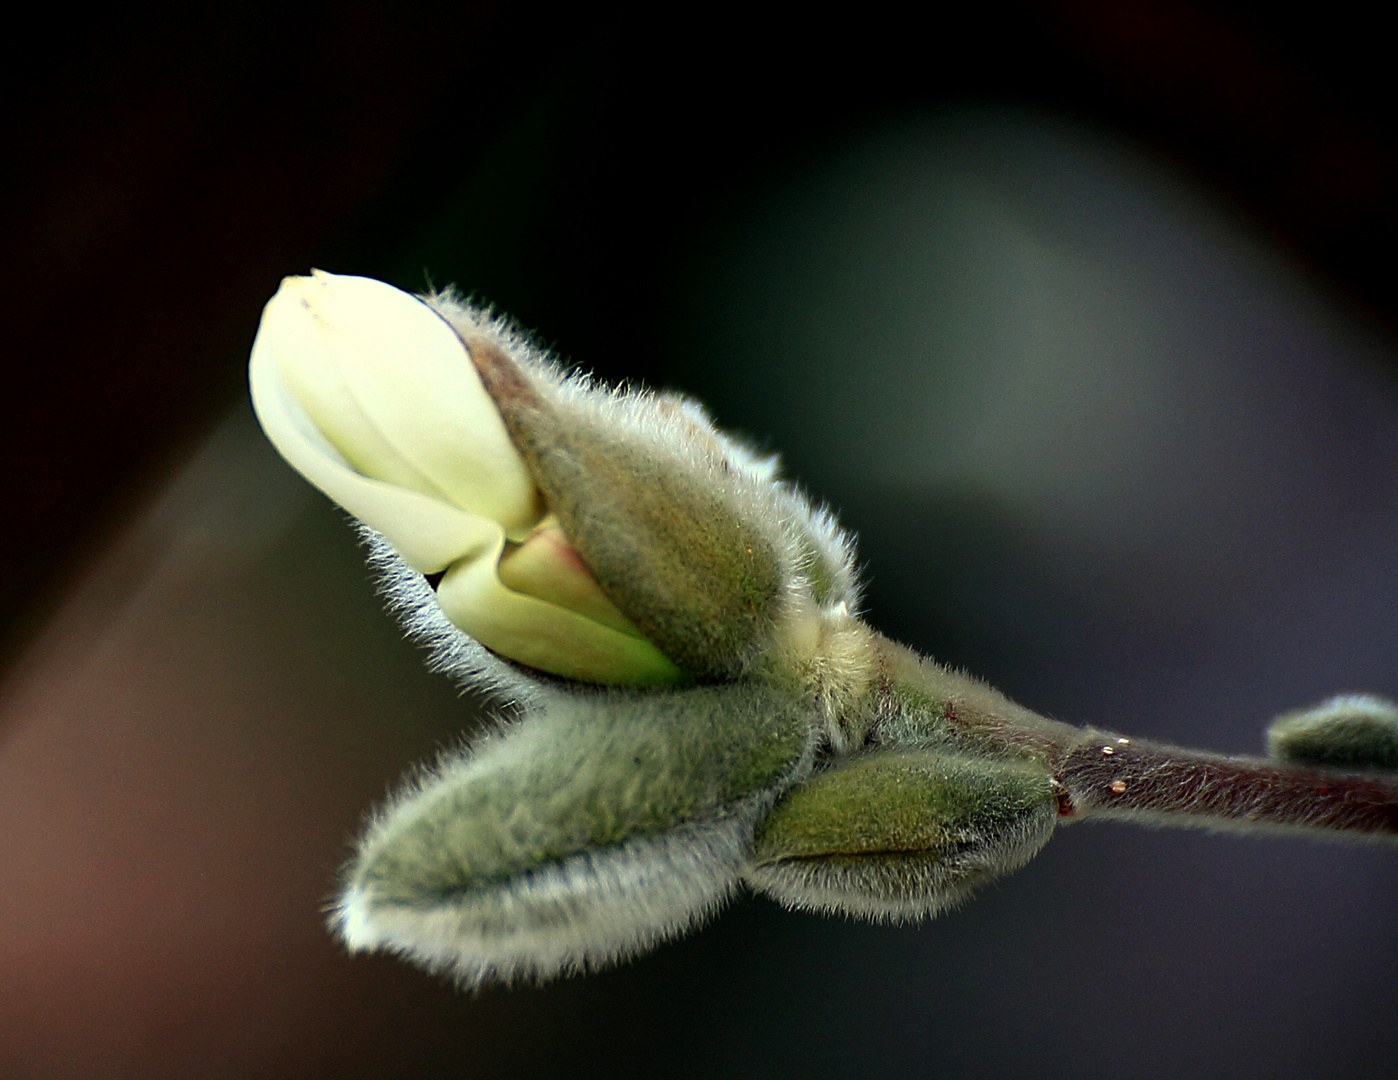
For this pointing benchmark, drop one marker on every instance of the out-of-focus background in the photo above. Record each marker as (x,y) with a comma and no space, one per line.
(1080,313)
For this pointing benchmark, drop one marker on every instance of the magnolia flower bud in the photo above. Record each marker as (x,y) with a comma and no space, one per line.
(372,397)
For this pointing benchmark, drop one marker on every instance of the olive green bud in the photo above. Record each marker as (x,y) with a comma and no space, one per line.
(902,834)
(599,824)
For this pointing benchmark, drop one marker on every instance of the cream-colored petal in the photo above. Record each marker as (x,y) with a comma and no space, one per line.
(428,533)
(391,386)
(543,635)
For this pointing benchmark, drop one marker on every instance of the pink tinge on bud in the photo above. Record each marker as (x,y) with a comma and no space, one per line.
(547,566)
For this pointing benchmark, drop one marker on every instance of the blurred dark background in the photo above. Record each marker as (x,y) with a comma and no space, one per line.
(1080,313)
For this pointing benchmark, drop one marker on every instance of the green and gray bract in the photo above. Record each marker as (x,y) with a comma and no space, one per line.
(586,773)
(696,578)
(894,834)
(534,853)
(688,533)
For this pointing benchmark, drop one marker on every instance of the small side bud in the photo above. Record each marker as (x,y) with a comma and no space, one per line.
(902,835)
(1351,731)
(595,827)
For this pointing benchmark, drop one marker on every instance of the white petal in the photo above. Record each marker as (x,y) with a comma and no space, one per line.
(388,384)
(429,533)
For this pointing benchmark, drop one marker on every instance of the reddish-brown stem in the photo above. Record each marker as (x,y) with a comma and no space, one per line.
(1130,779)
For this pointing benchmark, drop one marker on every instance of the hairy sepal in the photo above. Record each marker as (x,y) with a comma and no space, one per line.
(691,535)
(597,826)
(902,835)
